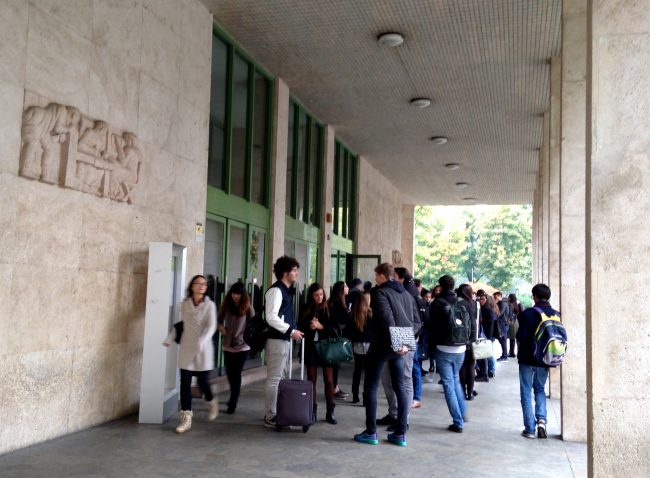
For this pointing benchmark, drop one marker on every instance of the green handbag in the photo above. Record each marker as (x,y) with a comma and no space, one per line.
(334,350)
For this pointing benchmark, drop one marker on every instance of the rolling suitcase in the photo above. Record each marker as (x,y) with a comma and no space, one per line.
(295,399)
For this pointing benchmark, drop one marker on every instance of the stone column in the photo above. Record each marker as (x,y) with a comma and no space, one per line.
(535,233)
(572,218)
(554,201)
(327,200)
(544,197)
(618,237)
(408,236)
(278,174)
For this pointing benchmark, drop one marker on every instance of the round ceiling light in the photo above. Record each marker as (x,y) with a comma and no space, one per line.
(461,185)
(390,39)
(439,139)
(421,102)
(452,166)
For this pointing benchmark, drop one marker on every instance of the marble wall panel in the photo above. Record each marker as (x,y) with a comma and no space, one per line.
(7,218)
(126,386)
(6,304)
(106,235)
(167,11)
(136,310)
(11,106)
(13,40)
(44,317)
(35,388)
(191,190)
(190,133)
(161,51)
(92,392)
(159,178)
(117,28)
(58,60)
(114,90)
(50,239)
(157,111)
(77,14)
(196,25)
(196,71)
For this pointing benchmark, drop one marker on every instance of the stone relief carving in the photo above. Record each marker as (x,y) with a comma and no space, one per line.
(62,146)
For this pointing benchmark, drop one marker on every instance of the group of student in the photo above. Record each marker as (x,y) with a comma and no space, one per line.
(365,314)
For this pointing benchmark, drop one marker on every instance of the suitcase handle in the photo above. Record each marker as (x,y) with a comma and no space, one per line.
(302,359)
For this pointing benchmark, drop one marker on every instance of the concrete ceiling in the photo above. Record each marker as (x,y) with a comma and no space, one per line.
(484,63)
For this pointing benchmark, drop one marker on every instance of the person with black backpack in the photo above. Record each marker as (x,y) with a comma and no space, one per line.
(450,328)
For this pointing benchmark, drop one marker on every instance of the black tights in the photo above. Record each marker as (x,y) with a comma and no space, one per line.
(467,373)
(234,362)
(186,387)
(328,378)
(359,367)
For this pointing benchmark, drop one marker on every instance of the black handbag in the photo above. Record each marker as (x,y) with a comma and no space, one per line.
(256,333)
(334,350)
(179,331)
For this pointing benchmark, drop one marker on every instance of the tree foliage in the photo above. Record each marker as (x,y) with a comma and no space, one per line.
(491,244)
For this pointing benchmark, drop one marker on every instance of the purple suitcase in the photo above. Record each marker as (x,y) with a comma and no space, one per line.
(295,399)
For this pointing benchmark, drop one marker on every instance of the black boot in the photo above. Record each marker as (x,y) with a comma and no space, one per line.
(315,410)
(329,417)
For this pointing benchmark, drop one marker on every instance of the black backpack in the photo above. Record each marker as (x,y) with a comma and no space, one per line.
(457,323)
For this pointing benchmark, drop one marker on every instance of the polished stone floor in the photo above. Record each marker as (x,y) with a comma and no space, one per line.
(239,446)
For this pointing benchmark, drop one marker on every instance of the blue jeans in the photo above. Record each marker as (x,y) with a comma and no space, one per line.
(417,375)
(449,366)
(374,365)
(532,379)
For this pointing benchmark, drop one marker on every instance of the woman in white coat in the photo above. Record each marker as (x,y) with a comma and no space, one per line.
(196,352)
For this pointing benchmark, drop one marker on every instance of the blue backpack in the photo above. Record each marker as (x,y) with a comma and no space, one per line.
(550,340)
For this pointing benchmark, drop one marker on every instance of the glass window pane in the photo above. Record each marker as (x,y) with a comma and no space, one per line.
(334,267)
(349,196)
(342,263)
(256,261)
(342,193)
(288,196)
(338,226)
(289,248)
(303,258)
(239,115)
(312,275)
(314,175)
(300,170)
(260,127)
(236,245)
(218,92)
(213,258)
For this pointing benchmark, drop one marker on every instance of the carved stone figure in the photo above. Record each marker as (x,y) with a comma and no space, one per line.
(92,156)
(42,129)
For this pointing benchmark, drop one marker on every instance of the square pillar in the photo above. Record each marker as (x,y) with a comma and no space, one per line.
(327,200)
(618,237)
(408,236)
(572,217)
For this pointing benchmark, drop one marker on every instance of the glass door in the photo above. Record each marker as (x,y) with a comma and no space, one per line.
(236,264)
(362,267)
(256,251)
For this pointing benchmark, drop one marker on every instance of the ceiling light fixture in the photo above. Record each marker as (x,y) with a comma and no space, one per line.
(390,39)
(461,185)
(452,166)
(421,102)
(439,139)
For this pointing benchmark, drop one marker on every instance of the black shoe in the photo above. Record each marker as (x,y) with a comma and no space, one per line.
(230,410)
(502,359)
(454,428)
(491,375)
(329,416)
(341,395)
(440,382)
(470,397)
(387,420)
(541,429)
(474,392)
(314,415)
(511,355)
(355,399)
(482,378)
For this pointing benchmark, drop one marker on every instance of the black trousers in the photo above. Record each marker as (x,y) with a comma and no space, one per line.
(359,367)
(468,373)
(186,387)
(234,362)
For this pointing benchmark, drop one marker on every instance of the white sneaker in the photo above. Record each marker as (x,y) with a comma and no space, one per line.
(186,421)
(213,409)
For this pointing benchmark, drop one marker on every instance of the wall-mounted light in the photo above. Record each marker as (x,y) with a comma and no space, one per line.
(439,139)
(469,199)
(390,39)
(461,185)
(421,102)
(452,166)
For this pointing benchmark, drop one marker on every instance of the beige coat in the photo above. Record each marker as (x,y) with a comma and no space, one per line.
(196,351)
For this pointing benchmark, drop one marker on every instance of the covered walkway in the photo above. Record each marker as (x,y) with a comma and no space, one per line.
(239,446)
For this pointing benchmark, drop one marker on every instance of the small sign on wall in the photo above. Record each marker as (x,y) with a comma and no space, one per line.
(199,232)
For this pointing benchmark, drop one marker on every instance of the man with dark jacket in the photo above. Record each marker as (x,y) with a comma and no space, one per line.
(502,324)
(392,306)
(449,356)
(533,374)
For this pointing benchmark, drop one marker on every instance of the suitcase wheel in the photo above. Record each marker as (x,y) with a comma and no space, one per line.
(278,428)
(305,428)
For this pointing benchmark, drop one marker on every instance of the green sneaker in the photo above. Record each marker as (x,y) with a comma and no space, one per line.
(367,438)
(399,440)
